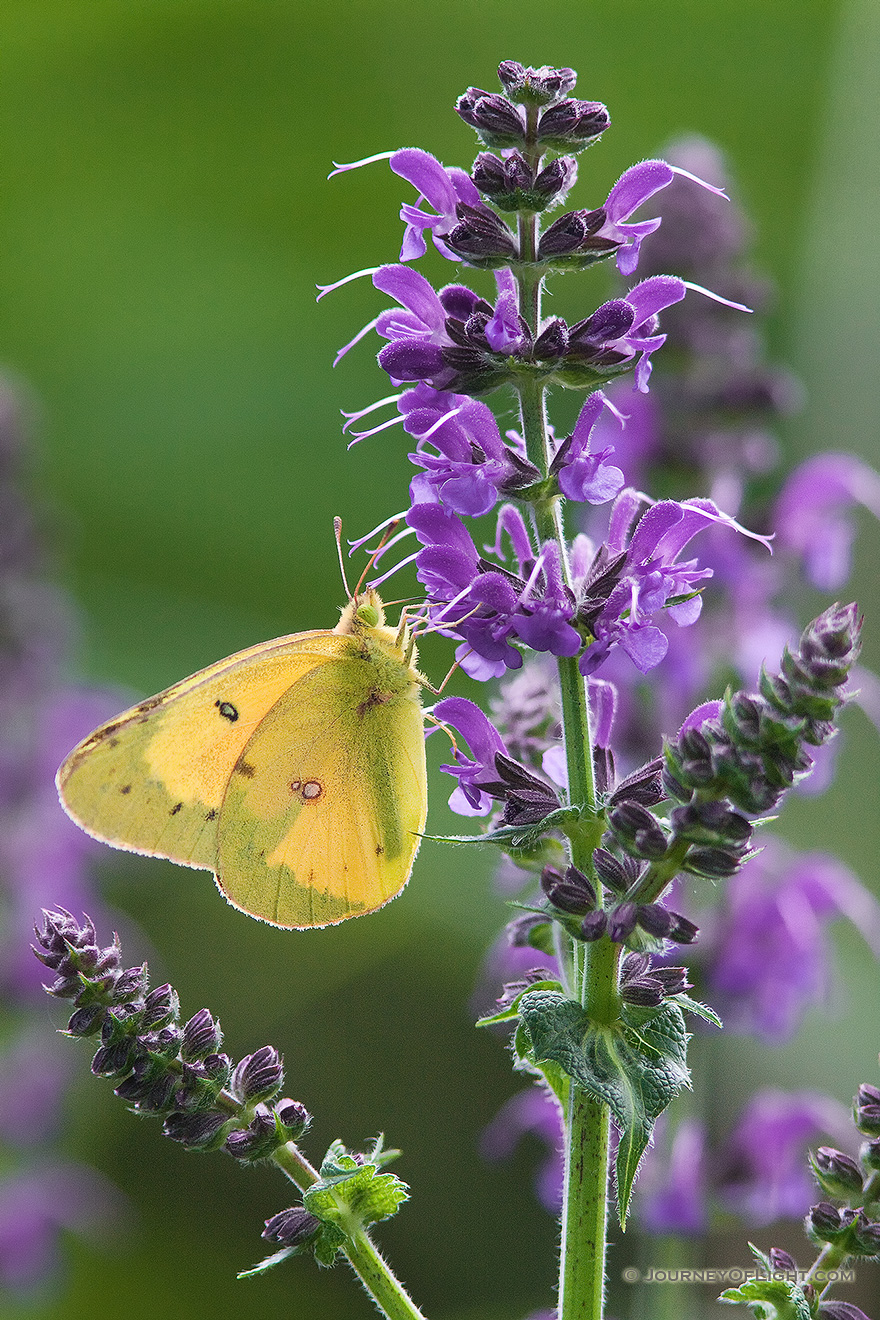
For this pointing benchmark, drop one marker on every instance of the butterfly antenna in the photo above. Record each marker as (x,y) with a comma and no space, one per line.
(337,532)
(386,535)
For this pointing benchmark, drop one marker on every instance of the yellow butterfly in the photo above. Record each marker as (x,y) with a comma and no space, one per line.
(295,771)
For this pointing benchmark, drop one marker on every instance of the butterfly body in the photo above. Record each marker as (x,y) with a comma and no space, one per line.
(294,770)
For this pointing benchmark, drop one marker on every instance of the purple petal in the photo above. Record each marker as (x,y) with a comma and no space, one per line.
(478,731)
(427,175)
(603,706)
(646,646)
(635,186)
(411,359)
(652,295)
(413,291)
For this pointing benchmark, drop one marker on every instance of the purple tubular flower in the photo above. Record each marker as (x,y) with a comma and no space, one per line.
(761,1172)
(443,189)
(583,475)
(472,464)
(634,187)
(652,576)
(484,740)
(812,514)
(626,328)
(767,953)
(418,333)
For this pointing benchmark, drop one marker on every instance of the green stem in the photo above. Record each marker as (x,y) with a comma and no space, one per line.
(375,1274)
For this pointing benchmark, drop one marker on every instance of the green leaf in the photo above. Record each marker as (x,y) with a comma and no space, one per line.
(700,1010)
(635,1072)
(511,1013)
(516,836)
(352,1195)
(771,1299)
(267,1264)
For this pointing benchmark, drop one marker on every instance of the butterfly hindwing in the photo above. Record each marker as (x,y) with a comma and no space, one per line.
(153,779)
(322,816)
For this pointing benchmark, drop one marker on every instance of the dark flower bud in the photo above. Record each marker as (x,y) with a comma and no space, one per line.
(622,922)
(640,833)
(572,124)
(198,1131)
(130,984)
(563,237)
(291,1228)
(834,1310)
(115,1060)
(608,322)
(511,989)
(258,1076)
(823,1222)
(150,1087)
(555,179)
(684,931)
(86,1021)
(593,926)
(201,1036)
(164,1043)
(642,786)
(643,992)
(655,920)
(66,987)
(498,122)
(866,1237)
(634,965)
(712,863)
(836,1173)
(535,86)
(741,715)
(809,1294)
(552,342)
(256,1142)
(217,1067)
(712,823)
(571,893)
(781,1260)
(829,646)
(611,872)
(161,1006)
(293,1118)
(866,1111)
(673,979)
(869,1155)
(120,1022)
(480,235)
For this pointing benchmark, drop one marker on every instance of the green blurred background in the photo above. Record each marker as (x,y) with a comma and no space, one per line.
(164,218)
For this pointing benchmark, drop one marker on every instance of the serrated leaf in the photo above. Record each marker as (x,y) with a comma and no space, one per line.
(635,1073)
(699,1010)
(326,1243)
(379,1155)
(355,1197)
(771,1299)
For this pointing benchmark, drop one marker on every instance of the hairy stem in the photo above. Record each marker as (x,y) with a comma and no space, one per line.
(375,1274)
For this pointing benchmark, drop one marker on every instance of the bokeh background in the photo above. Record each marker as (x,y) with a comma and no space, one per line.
(164,217)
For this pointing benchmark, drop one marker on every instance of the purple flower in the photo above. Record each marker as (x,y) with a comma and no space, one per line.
(761,1173)
(626,328)
(533,1111)
(418,333)
(487,606)
(673,1186)
(471,464)
(443,189)
(583,475)
(484,741)
(632,189)
(766,950)
(652,576)
(812,514)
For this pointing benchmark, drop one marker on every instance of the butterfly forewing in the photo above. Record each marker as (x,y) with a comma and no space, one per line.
(153,779)
(322,816)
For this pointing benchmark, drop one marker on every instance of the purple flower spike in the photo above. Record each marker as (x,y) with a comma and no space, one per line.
(484,741)
(443,189)
(812,514)
(632,189)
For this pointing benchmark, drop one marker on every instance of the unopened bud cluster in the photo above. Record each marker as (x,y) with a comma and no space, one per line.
(575,904)
(740,763)
(160,1066)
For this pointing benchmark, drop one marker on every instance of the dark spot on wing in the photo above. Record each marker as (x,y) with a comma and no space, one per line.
(375,698)
(126,789)
(114,742)
(227,710)
(379,850)
(312,790)
(174,810)
(246,769)
(212,815)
